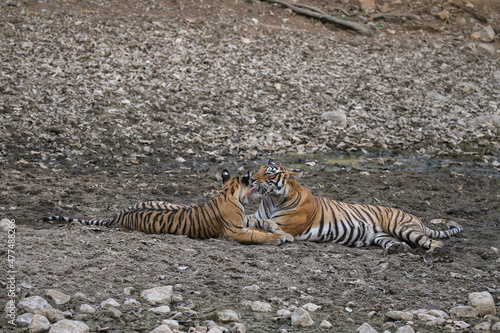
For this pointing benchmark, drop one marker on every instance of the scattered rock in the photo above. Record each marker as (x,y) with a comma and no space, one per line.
(464,312)
(228,316)
(335,118)
(301,317)
(37,305)
(173,324)
(24,319)
(399,315)
(39,324)
(496,327)
(66,326)
(109,303)
(57,296)
(115,312)
(405,329)
(443,15)
(486,34)
(163,328)
(128,291)
(6,225)
(239,328)
(161,309)
(484,326)
(311,307)
(259,306)
(284,313)
(366,328)
(158,295)
(325,324)
(252,288)
(483,302)
(86,308)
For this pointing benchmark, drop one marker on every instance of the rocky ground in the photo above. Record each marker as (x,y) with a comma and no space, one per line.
(108,103)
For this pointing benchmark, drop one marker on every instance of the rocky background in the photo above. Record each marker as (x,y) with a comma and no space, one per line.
(107,103)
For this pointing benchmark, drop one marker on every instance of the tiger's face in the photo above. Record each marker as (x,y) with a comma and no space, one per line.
(239,187)
(273,179)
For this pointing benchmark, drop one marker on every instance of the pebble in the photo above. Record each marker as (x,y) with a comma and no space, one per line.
(37,305)
(366,328)
(301,317)
(496,327)
(173,324)
(464,311)
(131,302)
(311,307)
(252,288)
(39,324)
(161,309)
(158,295)
(110,302)
(239,328)
(326,324)
(228,316)
(87,308)
(259,306)
(483,302)
(163,328)
(484,326)
(57,296)
(405,329)
(115,312)
(284,313)
(128,291)
(66,326)
(335,118)
(399,315)
(80,296)
(486,34)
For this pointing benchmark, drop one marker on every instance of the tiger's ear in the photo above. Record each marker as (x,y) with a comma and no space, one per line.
(296,173)
(271,162)
(246,178)
(225,176)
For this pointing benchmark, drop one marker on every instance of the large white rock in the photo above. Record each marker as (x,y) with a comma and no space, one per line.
(66,326)
(228,316)
(158,295)
(161,309)
(259,306)
(110,303)
(311,307)
(87,308)
(464,312)
(37,305)
(173,324)
(483,302)
(301,317)
(405,329)
(366,328)
(163,328)
(399,315)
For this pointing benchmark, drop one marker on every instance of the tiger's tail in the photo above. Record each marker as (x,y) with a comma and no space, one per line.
(454,229)
(105,222)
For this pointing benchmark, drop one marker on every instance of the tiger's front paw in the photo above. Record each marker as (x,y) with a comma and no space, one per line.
(282,237)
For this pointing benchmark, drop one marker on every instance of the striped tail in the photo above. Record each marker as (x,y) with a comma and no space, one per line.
(106,222)
(454,229)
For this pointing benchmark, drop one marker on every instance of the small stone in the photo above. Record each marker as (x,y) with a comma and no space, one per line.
(311,307)
(6,225)
(37,305)
(335,118)
(65,326)
(131,302)
(86,308)
(366,328)
(80,296)
(161,309)
(284,313)
(39,324)
(110,302)
(239,328)
(163,328)
(215,329)
(443,15)
(173,324)
(57,296)
(367,5)
(301,317)
(259,306)
(399,315)
(484,326)
(464,312)
(115,312)
(24,319)
(158,295)
(228,316)
(325,324)
(486,34)
(483,302)
(496,327)
(128,291)
(252,288)
(405,329)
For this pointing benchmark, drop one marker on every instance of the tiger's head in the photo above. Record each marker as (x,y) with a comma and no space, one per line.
(237,187)
(274,179)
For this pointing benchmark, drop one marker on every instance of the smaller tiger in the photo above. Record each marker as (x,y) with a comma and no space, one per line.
(307,217)
(222,216)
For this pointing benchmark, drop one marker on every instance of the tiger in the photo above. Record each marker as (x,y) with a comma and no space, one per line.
(223,216)
(309,218)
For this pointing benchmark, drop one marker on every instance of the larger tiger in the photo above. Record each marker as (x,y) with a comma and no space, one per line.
(307,217)
(222,216)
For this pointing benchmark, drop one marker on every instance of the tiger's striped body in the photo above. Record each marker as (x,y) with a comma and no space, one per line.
(306,217)
(222,216)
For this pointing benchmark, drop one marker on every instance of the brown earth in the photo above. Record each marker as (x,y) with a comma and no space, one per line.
(210,275)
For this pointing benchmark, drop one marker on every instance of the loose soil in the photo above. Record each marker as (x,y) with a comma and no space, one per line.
(210,275)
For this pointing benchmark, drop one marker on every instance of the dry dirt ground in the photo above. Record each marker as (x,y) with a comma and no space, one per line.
(95,180)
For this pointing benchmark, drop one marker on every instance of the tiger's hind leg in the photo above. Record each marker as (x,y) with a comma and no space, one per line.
(389,243)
